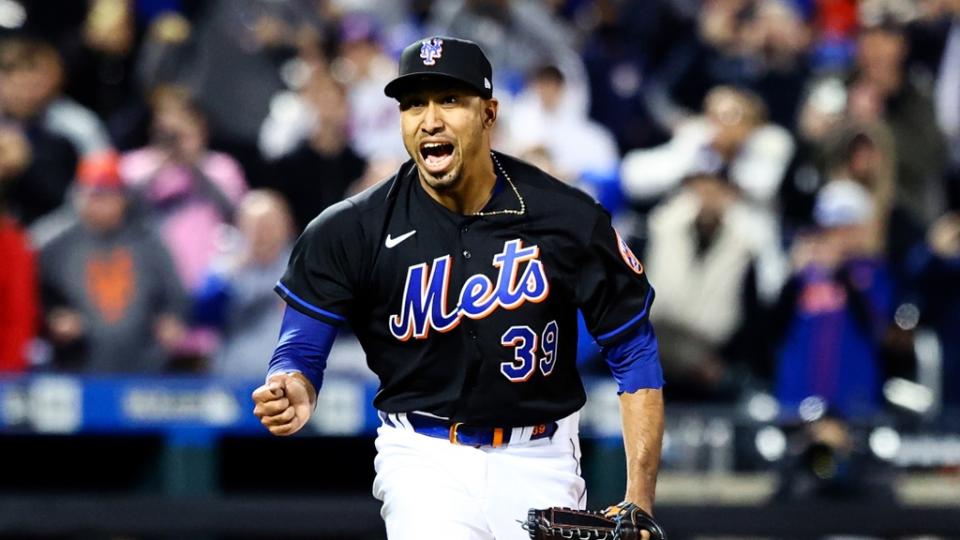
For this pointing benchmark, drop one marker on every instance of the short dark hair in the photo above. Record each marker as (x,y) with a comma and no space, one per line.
(548,73)
(24,52)
(178,95)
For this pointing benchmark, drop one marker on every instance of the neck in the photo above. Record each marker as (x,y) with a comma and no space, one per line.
(327,142)
(473,190)
(102,231)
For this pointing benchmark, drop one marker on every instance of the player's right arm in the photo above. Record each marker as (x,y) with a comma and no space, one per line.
(318,288)
(285,402)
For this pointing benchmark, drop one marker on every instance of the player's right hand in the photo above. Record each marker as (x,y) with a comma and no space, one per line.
(284,403)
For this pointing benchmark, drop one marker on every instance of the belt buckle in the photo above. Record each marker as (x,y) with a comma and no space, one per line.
(497,435)
(453,432)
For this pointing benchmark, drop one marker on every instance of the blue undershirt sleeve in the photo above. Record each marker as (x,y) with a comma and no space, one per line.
(304,346)
(635,360)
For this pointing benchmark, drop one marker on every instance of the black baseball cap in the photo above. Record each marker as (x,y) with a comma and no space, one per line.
(450,58)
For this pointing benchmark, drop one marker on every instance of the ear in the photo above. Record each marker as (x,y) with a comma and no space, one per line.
(490,109)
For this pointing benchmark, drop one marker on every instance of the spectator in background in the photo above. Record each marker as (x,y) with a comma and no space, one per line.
(237,295)
(716,54)
(165,51)
(621,55)
(732,138)
(835,22)
(32,95)
(318,172)
(100,61)
(112,301)
(880,89)
(228,56)
(19,308)
(36,164)
(542,116)
(865,154)
(704,250)
(833,144)
(947,97)
(822,113)
(35,18)
(292,117)
(936,263)
(835,310)
(761,45)
(191,193)
(190,190)
(364,68)
(780,39)
(928,29)
(518,36)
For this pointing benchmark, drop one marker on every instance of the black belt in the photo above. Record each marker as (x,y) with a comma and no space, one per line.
(465,434)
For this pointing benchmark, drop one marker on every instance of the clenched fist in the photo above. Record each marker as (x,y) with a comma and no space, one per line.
(284,403)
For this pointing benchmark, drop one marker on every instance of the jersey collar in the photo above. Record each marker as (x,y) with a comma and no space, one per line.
(503,199)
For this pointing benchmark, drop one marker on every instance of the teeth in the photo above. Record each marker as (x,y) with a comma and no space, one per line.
(433,145)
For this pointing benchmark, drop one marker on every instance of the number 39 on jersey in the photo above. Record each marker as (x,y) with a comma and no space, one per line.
(526,351)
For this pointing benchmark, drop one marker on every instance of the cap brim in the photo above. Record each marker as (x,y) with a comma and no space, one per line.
(398,86)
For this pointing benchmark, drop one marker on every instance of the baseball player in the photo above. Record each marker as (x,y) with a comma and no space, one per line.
(461,276)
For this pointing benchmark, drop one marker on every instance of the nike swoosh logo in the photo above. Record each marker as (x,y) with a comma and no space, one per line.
(392,242)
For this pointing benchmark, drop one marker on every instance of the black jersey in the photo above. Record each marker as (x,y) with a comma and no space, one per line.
(471,317)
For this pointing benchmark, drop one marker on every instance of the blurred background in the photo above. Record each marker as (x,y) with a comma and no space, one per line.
(789,169)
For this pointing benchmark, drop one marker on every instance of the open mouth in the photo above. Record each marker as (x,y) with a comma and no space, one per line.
(437,156)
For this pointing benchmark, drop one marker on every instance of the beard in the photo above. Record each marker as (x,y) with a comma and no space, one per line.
(447,180)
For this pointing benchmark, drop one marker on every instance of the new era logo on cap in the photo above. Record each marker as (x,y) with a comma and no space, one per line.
(431,50)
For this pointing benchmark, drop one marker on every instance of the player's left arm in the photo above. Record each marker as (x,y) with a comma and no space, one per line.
(642,415)
(635,364)
(616,299)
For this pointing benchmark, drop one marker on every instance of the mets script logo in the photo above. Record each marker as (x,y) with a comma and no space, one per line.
(425,293)
(430,51)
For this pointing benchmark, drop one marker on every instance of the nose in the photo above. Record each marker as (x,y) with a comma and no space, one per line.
(432,124)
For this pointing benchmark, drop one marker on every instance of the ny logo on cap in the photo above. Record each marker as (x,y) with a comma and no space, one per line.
(430,50)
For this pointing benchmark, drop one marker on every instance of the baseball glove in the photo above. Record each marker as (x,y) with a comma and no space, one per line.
(624,521)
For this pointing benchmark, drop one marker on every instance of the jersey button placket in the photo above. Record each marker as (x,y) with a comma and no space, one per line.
(464,229)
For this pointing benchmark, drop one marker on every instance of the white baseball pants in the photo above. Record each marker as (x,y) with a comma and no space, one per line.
(432,489)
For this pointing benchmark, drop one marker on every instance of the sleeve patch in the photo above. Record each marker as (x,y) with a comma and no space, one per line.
(628,257)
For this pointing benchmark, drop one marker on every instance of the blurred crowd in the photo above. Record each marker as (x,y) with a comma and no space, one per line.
(790,170)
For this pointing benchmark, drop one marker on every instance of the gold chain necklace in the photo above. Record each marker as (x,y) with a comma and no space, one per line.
(523,205)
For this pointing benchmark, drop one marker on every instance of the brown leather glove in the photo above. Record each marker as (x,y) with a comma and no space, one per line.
(626,524)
